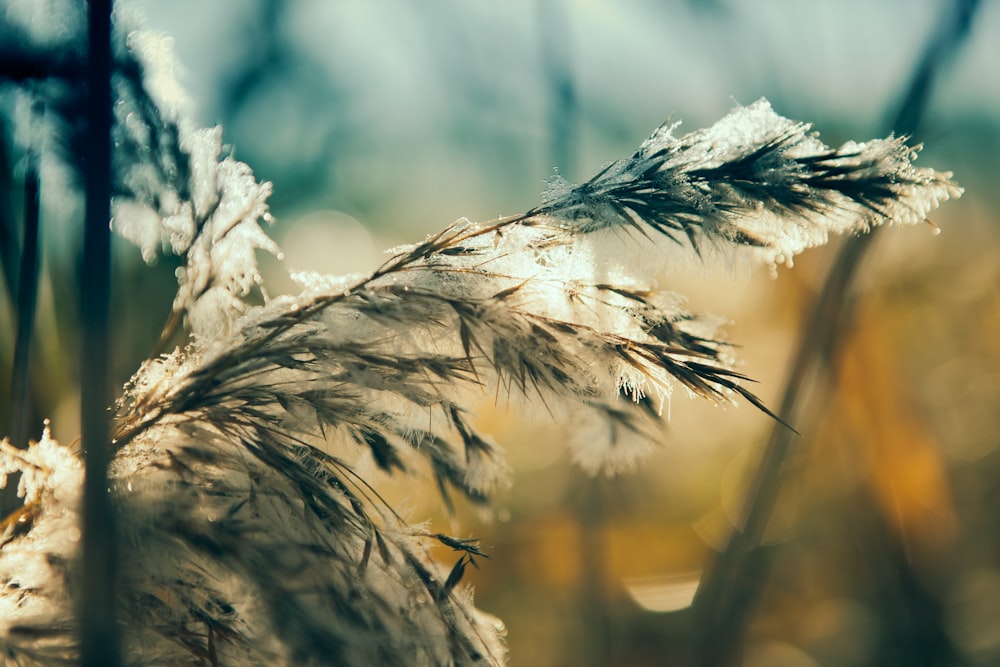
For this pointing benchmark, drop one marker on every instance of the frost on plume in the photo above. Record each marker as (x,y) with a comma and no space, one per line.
(249,536)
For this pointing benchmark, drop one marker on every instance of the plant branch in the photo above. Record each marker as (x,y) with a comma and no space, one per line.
(736,580)
(27,297)
(98,596)
(9,241)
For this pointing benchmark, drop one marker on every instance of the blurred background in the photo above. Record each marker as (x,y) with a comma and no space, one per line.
(382,121)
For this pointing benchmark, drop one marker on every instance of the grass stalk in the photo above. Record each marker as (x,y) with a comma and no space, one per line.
(738,576)
(25,302)
(27,299)
(8,233)
(96,605)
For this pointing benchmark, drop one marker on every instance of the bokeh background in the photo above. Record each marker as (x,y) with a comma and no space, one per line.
(382,121)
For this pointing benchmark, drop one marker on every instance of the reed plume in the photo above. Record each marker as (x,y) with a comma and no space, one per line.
(249,533)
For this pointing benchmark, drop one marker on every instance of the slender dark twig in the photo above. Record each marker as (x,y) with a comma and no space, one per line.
(27,296)
(96,605)
(736,580)
(26,290)
(8,231)
(555,44)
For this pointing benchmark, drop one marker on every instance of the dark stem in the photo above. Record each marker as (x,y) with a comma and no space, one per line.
(8,232)
(26,289)
(554,29)
(596,647)
(27,298)
(96,604)
(730,590)
(736,579)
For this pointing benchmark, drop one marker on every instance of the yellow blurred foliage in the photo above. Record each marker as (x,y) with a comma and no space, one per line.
(898,455)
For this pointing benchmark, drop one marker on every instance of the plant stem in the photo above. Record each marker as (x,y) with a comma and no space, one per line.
(96,605)
(8,234)
(26,290)
(736,580)
(27,298)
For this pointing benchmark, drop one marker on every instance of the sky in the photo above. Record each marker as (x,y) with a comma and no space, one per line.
(414,114)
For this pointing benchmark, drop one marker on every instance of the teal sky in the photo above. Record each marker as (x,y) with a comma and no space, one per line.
(408,114)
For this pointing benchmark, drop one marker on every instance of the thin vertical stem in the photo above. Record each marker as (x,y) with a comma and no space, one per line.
(8,235)
(27,298)
(556,44)
(25,292)
(596,647)
(96,606)
(736,580)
